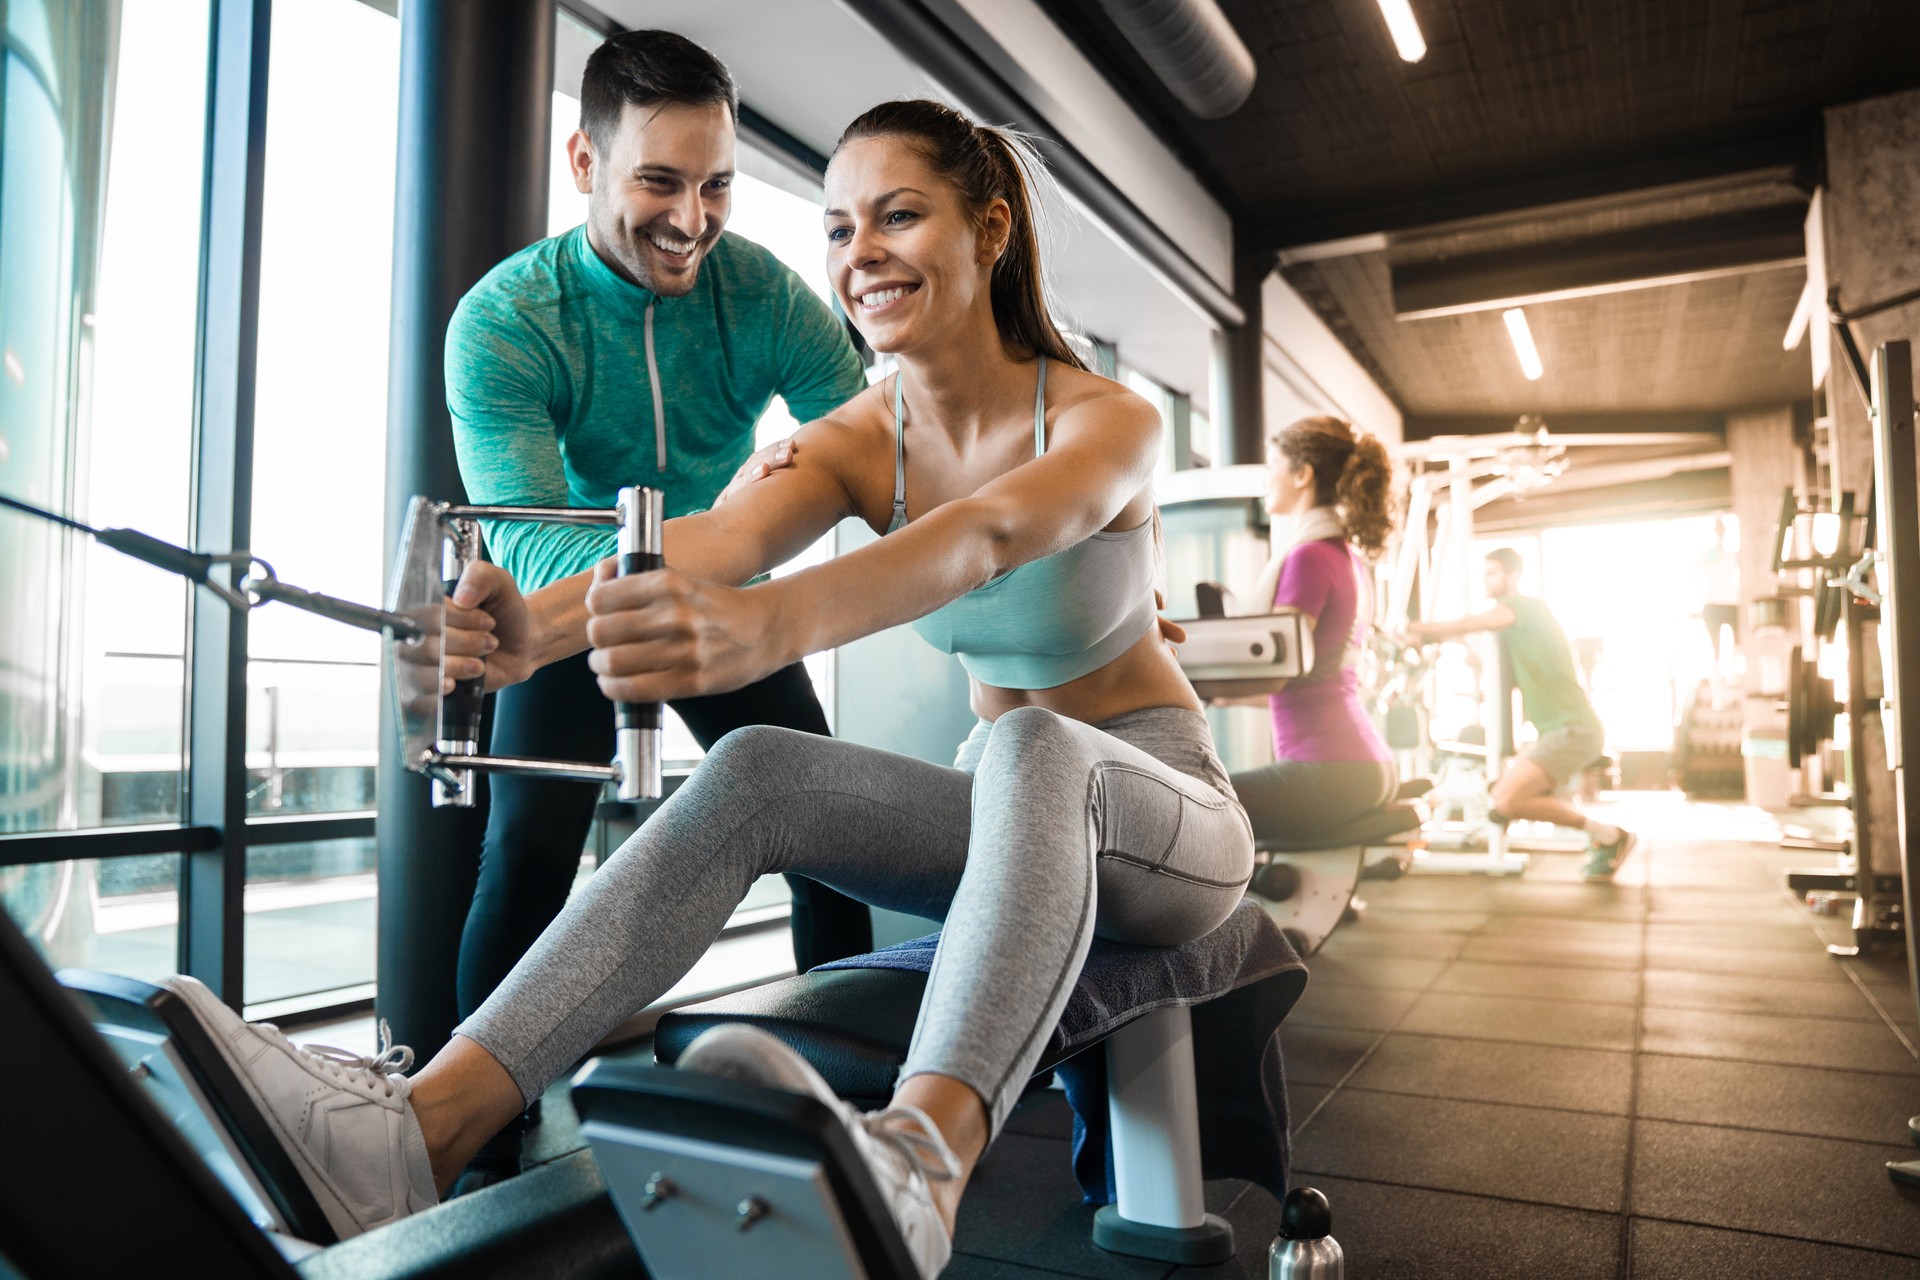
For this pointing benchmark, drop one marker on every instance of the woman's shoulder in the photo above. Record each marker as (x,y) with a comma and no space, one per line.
(861,424)
(1068,387)
(1320,553)
(1076,396)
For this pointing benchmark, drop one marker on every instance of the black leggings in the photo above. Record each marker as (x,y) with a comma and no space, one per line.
(1299,799)
(536,828)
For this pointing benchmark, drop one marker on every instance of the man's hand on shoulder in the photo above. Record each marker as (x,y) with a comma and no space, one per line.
(762,463)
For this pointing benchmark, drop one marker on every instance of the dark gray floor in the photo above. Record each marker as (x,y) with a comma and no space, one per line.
(1665,1079)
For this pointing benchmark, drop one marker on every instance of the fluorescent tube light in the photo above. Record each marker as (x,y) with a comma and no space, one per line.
(1405,31)
(1802,315)
(1523,344)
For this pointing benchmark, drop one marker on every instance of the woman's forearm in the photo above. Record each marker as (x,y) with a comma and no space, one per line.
(938,558)
(697,546)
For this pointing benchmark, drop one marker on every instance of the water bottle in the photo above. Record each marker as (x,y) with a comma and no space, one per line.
(1305,1248)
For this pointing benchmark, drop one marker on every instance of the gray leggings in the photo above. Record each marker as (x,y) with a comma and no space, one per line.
(1045,833)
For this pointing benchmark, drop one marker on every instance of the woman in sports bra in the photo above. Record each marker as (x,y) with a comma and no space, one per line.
(1333,487)
(1013,487)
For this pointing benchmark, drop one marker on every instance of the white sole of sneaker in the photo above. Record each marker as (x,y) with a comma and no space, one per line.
(218,1022)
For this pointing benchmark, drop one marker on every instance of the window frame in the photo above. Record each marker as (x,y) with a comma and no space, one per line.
(215,833)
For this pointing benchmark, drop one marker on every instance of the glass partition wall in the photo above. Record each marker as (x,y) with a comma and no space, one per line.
(101,181)
(116,133)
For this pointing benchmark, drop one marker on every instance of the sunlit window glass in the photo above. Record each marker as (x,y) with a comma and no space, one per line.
(320,429)
(100,190)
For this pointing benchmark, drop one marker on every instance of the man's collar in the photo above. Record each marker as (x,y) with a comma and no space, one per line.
(606,281)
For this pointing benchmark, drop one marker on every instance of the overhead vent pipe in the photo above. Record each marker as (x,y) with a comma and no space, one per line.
(1192,48)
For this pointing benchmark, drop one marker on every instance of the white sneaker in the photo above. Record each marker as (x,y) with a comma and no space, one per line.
(343,1118)
(903,1149)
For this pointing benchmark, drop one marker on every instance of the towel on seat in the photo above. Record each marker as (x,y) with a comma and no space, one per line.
(1241,980)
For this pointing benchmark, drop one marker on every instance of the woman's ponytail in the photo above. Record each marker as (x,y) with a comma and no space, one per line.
(1365,495)
(1351,474)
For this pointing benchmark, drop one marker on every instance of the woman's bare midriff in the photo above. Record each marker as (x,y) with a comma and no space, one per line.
(1146,675)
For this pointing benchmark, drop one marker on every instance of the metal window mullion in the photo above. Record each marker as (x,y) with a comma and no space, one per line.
(212,881)
(1180,429)
(103,842)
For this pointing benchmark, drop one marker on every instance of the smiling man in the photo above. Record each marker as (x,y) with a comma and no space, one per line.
(639,348)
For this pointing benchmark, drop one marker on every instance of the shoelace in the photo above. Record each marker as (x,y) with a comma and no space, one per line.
(357,1070)
(908,1131)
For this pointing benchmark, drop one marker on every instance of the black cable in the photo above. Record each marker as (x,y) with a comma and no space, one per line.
(44,514)
(192,565)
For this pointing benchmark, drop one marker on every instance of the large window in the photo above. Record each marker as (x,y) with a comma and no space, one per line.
(320,431)
(125,221)
(100,211)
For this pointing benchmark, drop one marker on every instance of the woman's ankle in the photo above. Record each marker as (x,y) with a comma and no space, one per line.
(460,1100)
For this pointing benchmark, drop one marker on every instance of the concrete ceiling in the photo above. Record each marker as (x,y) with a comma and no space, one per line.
(1531,123)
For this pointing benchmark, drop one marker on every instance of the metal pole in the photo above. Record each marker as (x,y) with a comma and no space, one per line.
(1898,524)
(476,85)
(213,881)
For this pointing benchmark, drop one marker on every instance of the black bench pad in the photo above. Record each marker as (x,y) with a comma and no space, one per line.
(1377,825)
(853,1019)
(851,1024)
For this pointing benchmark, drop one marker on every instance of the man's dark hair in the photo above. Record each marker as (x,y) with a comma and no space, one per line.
(647,67)
(1507,558)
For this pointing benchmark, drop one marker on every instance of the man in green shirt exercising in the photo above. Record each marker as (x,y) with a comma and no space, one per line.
(638,349)
(1570,735)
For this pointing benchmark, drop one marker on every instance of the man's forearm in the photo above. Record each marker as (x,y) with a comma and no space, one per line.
(560,619)
(1452,629)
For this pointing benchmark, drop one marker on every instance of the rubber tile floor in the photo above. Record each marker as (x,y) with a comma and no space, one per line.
(1665,1078)
(1533,1078)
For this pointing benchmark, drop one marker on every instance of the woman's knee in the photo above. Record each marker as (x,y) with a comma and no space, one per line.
(754,756)
(1026,732)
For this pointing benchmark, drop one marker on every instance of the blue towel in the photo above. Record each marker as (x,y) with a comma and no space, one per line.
(1241,980)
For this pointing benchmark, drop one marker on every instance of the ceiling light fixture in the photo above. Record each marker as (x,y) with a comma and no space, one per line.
(1802,316)
(1523,344)
(1405,31)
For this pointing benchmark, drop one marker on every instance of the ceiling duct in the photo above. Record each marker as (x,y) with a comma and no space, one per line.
(1192,48)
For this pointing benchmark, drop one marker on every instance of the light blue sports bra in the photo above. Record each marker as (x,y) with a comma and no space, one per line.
(1051,620)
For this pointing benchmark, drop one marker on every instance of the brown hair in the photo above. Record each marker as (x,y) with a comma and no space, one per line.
(640,68)
(984,163)
(1351,473)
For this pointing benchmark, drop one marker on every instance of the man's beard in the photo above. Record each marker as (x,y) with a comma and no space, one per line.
(633,258)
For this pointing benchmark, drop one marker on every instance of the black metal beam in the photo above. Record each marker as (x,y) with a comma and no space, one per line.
(1795,155)
(1614,262)
(105,842)
(476,90)
(1240,415)
(212,880)
(310,828)
(932,46)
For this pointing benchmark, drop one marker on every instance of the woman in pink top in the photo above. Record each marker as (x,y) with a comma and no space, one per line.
(1334,486)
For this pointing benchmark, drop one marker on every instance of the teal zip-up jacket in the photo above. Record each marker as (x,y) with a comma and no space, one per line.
(546,369)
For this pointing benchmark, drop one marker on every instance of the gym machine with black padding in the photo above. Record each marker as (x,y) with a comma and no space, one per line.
(1216,528)
(688,1176)
(1309,884)
(1845,560)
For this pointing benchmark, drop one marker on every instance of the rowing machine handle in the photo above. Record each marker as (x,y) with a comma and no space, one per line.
(458,731)
(637,724)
